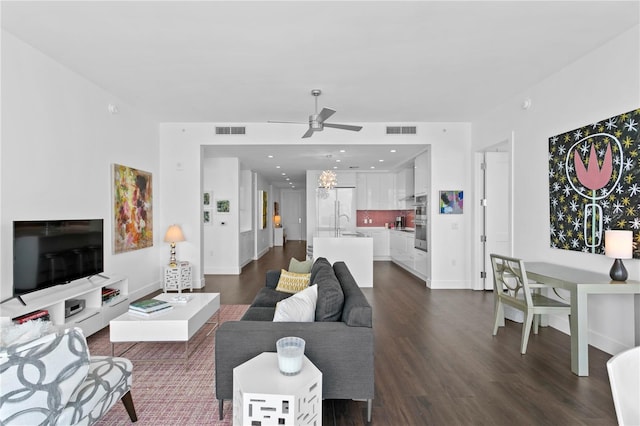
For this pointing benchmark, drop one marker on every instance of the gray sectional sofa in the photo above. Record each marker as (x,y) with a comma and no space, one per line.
(339,342)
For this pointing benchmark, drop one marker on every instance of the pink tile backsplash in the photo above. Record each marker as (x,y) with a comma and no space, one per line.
(380,217)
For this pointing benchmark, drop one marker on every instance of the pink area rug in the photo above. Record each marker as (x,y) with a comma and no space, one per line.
(167,393)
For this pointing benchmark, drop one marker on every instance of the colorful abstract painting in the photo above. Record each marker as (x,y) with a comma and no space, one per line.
(132,209)
(451,202)
(594,183)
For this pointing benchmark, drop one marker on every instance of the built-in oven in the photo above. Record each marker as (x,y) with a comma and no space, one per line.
(420,223)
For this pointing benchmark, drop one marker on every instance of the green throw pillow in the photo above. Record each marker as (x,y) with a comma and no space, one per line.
(299,267)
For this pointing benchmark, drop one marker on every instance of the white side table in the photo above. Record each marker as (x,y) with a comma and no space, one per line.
(262,395)
(177,278)
(278,236)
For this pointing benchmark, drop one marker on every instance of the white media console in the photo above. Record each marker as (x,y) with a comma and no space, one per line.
(95,315)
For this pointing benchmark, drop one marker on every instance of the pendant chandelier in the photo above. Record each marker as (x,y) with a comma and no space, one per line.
(327,179)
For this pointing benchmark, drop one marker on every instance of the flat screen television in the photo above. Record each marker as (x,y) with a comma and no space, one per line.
(52,252)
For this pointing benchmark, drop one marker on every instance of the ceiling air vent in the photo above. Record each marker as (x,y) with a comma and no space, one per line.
(401,130)
(230,130)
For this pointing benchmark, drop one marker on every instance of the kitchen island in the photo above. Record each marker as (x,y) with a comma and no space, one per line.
(353,248)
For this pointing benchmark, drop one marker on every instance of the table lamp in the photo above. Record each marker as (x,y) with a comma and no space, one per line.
(618,245)
(173,236)
(276,221)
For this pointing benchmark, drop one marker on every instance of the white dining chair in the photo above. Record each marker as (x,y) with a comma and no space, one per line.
(624,376)
(511,287)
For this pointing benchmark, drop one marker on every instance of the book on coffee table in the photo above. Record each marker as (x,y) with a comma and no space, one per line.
(149,305)
(148,314)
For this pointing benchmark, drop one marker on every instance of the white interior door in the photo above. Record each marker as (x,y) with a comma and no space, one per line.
(293,214)
(497,210)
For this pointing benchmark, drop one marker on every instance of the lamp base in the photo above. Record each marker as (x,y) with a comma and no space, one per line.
(618,272)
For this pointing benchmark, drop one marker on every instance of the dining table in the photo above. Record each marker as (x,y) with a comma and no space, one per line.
(581,283)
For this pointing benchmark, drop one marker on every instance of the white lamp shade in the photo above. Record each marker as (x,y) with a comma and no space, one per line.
(174,234)
(618,244)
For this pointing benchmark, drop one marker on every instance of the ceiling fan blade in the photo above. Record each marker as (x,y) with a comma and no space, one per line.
(325,113)
(308,133)
(343,126)
(289,122)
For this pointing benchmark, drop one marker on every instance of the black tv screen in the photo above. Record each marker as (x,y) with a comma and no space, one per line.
(51,252)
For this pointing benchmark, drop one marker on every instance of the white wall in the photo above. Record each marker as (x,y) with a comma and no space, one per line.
(602,84)
(221,244)
(58,144)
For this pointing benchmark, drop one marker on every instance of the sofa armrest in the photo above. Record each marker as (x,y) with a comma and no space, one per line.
(273,276)
(344,354)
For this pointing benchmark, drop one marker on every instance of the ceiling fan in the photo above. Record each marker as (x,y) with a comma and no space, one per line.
(318,121)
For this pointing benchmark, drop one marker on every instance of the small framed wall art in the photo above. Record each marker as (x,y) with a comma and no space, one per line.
(451,202)
(207,199)
(206,216)
(222,206)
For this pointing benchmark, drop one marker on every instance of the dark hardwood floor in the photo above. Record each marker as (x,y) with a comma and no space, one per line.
(437,363)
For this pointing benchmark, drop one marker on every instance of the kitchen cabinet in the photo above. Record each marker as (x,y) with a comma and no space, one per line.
(376,191)
(404,188)
(401,248)
(381,242)
(421,174)
(421,262)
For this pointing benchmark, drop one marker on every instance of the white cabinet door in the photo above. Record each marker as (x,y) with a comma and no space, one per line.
(362,194)
(421,182)
(396,245)
(381,243)
(421,261)
(387,191)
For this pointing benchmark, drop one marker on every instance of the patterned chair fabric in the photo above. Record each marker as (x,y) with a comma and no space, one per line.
(53,380)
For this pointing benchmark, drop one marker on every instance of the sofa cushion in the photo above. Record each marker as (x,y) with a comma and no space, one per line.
(259,313)
(300,267)
(320,263)
(301,307)
(330,295)
(268,297)
(291,282)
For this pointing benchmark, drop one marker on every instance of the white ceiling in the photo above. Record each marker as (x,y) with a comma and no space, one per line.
(381,61)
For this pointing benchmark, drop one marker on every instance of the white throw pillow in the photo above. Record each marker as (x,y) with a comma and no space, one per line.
(301,307)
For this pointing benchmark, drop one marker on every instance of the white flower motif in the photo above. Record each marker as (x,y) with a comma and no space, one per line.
(636,223)
(553,230)
(554,140)
(611,123)
(575,243)
(567,190)
(605,204)
(584,148)
(561,150)
(619,189)
(594,125)
(606,219)
(577,135)
(618,207)
(560,216)
(576,224)
(631,125)
(556,186)
(628,164)
(634,189)
(573,205)
(561,236)
(554,202)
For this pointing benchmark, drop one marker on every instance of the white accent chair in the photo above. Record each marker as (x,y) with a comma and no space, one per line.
(511,287)
(53,380)
(624,376)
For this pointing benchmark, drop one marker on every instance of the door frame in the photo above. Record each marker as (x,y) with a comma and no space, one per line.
(506,145)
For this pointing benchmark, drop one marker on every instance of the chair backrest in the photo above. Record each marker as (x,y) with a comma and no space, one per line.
(510,278)
(38,378)
(624,376)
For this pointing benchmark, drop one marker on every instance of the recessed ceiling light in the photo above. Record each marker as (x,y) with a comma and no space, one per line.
(293,186)
(270,156)
(284,174)
(287,179)
(337,161)
(373,167)
(277,167)
(342,150)
(381,161)
(335,167)
(393,150)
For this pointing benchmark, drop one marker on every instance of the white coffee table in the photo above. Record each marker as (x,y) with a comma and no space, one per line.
(179,324)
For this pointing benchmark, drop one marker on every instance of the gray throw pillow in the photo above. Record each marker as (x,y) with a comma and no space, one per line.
(330,296)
